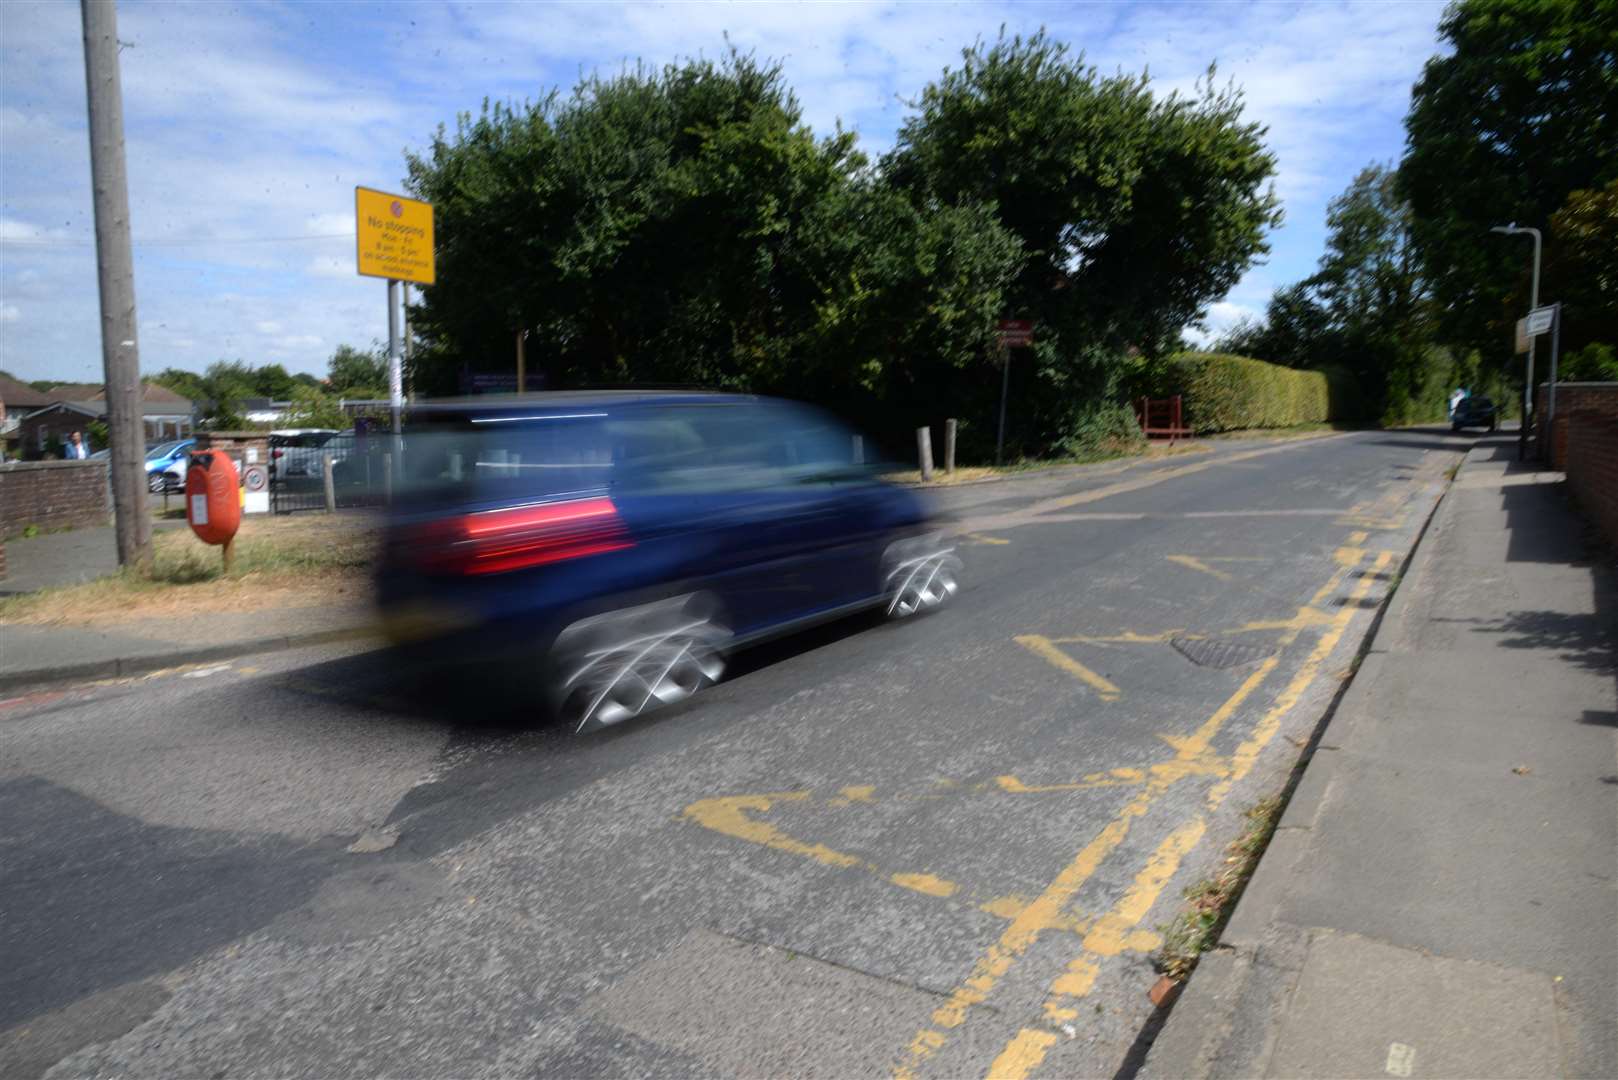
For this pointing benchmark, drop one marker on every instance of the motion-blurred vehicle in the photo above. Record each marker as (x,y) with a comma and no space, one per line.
(631,542)
(165,464)
(1474,411)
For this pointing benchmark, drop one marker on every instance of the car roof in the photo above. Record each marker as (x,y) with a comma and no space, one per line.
(540,403)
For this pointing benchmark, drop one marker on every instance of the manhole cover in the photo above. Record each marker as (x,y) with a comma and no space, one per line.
(1220,654)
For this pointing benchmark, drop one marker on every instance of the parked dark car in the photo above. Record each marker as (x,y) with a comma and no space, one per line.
(1474,411)
(632,542)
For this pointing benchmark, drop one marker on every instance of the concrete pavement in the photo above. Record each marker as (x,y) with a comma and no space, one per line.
(1442,895)
(942,847)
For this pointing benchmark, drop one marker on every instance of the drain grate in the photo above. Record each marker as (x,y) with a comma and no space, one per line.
(1220,654)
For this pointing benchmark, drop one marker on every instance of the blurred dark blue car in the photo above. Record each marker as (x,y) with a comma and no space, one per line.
(631,542)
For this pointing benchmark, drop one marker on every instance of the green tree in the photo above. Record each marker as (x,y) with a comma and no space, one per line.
(1581,266)
(1134,211)
(271,381)
(1517,113)
(1366,313)
(648,227)
(358,373)
(312,407)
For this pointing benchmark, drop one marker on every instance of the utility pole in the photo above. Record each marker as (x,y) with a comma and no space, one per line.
(115,271)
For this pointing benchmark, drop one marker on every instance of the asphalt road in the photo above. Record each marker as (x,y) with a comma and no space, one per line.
(944,847)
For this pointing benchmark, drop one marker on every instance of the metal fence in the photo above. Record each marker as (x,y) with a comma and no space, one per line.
(298,471)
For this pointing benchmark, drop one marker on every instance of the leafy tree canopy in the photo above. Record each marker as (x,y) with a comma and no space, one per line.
(1517,113)
(1136,211)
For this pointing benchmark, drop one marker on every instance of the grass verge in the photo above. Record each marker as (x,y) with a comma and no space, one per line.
(1210,901)
(294,561)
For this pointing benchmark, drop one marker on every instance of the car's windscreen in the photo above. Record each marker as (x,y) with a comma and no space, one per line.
(164,449)
(719,447)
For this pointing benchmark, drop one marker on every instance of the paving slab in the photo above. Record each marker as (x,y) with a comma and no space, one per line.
(1363,1008)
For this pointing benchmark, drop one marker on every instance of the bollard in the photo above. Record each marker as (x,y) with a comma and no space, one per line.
(326,463)
(924,451)
(859,450)
(387,479)
(949,447)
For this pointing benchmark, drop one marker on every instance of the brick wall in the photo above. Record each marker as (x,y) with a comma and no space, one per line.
(1595,398)
(53,495)
(1592,467)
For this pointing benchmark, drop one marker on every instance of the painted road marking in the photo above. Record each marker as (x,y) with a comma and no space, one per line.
(1191,754)
(1042,647)
(1063,502)
(1194,563)
(978,538)
(1401,1060)
(1032,514)
(1107,935)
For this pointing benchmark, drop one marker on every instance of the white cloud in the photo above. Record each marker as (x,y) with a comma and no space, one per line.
(9,313)
(249,125)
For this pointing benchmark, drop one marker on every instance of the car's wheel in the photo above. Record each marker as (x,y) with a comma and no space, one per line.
(1456,428)
(608,668)
(919,574)
(1492,425)
(156,482)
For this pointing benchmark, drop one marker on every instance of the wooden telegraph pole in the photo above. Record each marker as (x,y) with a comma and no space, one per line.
(120,357)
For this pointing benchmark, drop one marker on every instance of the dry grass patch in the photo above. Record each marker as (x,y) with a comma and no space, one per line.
(294,561)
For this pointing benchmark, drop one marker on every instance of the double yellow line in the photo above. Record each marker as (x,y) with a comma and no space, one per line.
(1116,930)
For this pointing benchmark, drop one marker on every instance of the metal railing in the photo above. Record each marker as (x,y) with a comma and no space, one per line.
(359,472)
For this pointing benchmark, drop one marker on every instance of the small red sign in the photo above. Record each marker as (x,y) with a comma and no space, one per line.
(1015,333)
(397,208)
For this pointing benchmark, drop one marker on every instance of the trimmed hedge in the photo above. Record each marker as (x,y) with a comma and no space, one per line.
(1232,393)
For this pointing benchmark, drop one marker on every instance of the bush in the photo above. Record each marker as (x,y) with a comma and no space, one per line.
(1232,393)
(1593,363)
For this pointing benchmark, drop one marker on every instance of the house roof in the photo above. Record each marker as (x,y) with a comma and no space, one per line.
(149,391)
(73,392)
(19,395)
(95,410)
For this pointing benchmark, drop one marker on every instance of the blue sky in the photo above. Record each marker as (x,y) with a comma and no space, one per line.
(249,124)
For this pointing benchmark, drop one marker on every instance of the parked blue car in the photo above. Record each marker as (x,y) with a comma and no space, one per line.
(632,542)
(161,460)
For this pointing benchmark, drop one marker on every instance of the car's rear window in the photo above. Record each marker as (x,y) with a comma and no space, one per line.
(718,447)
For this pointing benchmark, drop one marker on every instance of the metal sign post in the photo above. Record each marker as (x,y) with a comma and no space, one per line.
(1018,332)
(395,357)
(1550,392)
(1539,320)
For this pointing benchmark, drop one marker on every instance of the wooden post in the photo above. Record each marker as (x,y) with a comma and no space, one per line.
(387,479)
(924,451)
(522,364)
(331,484)
(229,553)
(949,447)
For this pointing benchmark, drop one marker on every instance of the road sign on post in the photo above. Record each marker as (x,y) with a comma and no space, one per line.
(393,236)
(1016,333)
(1540,320)
(393,239)
(1013,334)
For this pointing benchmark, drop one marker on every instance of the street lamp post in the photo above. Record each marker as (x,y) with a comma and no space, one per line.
(1533,303)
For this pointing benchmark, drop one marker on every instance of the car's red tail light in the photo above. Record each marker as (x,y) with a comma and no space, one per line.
(497,541)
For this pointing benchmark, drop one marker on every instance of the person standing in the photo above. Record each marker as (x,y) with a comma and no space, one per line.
(75,450)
